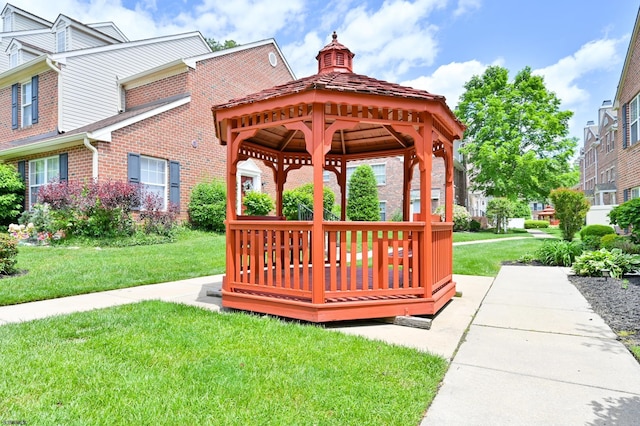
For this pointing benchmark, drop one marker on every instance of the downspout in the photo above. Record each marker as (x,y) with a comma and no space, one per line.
(57,70)
(94,159)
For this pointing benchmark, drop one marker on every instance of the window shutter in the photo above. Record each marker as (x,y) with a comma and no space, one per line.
(34,99)
(625,195)
(14,106)
(624,125)
(22,170)
(133,168)
(64,167)
(174,183)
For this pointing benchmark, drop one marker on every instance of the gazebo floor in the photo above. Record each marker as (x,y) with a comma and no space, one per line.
(393,297)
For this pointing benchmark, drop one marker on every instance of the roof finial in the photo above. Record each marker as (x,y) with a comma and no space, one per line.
(334,36)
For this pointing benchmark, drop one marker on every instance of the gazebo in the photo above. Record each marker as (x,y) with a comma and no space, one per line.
(318,270)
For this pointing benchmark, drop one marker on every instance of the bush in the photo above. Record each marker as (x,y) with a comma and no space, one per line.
(626,245)
(461,216)
(558,252)
(396,216)
(521,209)
(155,219)
(591,242)
(592,263)
(627,215)
(257,203)
(608,241)
(292,198)
(535,224)
(208,206)
(8,254)
(363,203)
(93,209)
(474,225)
(597,230)
(11,194)
(571,209)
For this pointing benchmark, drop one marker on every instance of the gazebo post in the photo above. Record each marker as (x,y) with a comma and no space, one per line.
(317,233)
(280,181)
(406,186)
(448,162)
(342,181)
(232,167)
(424,151)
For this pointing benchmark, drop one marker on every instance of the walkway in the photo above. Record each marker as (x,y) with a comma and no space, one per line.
(537,354)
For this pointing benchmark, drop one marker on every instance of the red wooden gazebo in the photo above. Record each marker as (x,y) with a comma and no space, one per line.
(319,270)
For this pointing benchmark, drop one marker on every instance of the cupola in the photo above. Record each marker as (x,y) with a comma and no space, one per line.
(335,57)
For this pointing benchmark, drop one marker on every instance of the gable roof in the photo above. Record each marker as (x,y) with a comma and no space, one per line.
(627,60)
(82,27)
(23,12)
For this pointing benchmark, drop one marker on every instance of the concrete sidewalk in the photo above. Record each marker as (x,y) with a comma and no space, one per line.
(537,354)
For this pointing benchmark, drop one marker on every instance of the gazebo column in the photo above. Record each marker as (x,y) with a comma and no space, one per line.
(448,164)
(406,186)
(280,179)
(342,182)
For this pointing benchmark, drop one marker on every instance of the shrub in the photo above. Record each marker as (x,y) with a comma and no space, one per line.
(11,194)
(41,217)
(461,216)
(571,209)
(558,252)
(499,210)
(597,230)
(396,216)
(474,225)
(155,219)
(627,215)
(608,241)
(535,224)
(363,203)
(8,254)
(208,205)
(93,209)
(292,198)
(626,245)
(591,242)
(257,203)
(521,209)
(592,263)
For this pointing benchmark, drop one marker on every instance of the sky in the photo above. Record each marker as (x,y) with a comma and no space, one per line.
(578,46)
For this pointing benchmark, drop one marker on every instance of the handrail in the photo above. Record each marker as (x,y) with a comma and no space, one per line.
(305,213)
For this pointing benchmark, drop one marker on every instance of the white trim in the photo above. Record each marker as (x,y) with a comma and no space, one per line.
(110,24)
(44,159)
(81,27)
(169,69)
(247,168)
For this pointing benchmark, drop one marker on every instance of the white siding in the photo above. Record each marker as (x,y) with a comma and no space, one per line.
(43,41)
(27,56)
(89,81)
(81,40)
(22,23)
(109,30)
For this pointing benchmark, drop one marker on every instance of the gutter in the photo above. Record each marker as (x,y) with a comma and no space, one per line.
(94,157)
(57,70)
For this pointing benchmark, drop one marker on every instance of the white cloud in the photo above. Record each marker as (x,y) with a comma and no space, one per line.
(300,55)
(449,79)
(467,6)
(564,76)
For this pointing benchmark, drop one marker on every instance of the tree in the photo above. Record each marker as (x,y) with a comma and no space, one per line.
(516,137)
(499,210)
(11,194)
(627,215)
(216,45)
(293,198)
(363,203)
(571,209)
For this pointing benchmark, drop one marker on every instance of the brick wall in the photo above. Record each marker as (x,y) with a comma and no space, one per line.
(628,169)
(47,110)
(171,86)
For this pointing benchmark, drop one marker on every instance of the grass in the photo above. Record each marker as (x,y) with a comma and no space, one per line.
(164,363)
(478,259)
(459,237)
(64,271)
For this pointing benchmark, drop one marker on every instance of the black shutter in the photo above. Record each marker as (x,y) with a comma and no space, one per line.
(625,195)
(624,125)
(22,170)
(14,106)
(174,183)
(34,99)
(64,167)
(133,168)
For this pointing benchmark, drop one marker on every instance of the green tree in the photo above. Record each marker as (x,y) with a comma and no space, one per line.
(516,137)
(627,215)
(292,198)
(571,209)
(216,45)
(208,205)
(499,210)
(11,194)
(363,203)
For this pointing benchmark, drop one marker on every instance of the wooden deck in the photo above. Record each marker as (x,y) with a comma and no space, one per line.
(371,270)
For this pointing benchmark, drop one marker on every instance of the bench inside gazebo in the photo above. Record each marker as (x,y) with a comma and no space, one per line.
(319,270)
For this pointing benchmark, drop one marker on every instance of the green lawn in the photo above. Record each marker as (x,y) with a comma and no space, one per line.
(459,237)
(64,271)
(485,259)
(158,363)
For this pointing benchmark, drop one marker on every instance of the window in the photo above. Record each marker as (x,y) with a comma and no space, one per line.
(25,104)
(13,58)
(380,172)
(326,176)
(634,193)
(155,177)
(61,40)
(634,115)
(41,172)
(383,210)
(6,23)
